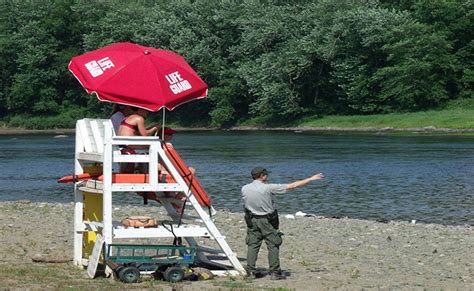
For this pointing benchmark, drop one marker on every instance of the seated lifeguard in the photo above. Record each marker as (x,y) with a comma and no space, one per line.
(133,124)
(118,114)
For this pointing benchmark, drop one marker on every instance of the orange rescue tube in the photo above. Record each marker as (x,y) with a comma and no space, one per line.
(120,178)
(79,177)
(188,177)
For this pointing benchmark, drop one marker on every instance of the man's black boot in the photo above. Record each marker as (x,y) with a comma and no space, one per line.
(251,275)
(277,276)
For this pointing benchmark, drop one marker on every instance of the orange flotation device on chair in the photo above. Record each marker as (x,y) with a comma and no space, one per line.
(121,178)
(188,177)
(78,177)
(116,178)
(192,182)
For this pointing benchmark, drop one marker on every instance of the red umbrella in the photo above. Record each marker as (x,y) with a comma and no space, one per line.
(130,74)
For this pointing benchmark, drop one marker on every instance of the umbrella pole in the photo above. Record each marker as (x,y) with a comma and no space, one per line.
(163,125)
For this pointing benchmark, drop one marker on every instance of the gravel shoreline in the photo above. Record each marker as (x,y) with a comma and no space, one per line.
(319,253)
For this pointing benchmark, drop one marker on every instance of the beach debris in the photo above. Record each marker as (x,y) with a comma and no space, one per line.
(203,273)
(413,221)
(40,259)
(289,216)
(435,251)
(389,238)
(299,213)
(60,136)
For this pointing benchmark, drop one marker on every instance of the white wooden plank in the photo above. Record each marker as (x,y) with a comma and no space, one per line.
(78,202)
(135,140)
(107,187)
(84,135)
(97,128)
(155,232)
(120,158)
(163,187)
(94,157)
(153,165)
(94,258)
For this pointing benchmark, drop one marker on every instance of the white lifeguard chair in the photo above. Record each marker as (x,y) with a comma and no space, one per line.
(97,143)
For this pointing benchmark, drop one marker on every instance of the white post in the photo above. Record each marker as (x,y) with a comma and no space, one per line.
(107,186)
(78,203)
(153,164)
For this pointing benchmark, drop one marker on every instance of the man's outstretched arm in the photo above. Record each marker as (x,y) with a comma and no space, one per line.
(301,183)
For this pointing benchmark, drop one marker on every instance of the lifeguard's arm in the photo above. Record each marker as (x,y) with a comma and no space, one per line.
(156,125)
(143,130)
(304,182)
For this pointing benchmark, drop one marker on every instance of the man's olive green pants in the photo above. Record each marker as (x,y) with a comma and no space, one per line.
(261,230)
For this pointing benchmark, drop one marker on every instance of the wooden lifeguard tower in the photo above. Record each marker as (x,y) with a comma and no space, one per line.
(97,145)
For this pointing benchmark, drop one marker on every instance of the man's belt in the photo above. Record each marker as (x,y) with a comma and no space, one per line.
(259,216)
(272,218)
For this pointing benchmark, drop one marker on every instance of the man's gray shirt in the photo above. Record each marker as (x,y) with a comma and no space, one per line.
(258,196)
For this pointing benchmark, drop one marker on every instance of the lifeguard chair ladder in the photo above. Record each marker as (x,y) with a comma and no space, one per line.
(97,143)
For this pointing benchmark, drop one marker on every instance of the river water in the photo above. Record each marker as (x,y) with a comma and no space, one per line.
(426,177)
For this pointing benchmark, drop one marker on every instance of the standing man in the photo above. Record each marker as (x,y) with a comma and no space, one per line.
(262,221)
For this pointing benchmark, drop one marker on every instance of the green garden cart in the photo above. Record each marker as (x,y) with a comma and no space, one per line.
(169,262)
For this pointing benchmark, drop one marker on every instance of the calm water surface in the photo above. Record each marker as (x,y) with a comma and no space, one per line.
(379,177)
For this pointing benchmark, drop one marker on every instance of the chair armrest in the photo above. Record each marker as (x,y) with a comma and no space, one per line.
(135,140)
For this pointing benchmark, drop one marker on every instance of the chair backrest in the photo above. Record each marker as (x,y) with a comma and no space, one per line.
(91,132)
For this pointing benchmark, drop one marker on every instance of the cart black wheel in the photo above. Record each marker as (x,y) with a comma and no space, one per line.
(174,274)
(117,271)
(129,274)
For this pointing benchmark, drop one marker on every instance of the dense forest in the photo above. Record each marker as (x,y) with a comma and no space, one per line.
(272,60)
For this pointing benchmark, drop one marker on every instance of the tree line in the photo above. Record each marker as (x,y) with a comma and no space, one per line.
(273,60)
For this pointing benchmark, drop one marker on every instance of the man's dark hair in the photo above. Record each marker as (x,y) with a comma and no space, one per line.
(257,172)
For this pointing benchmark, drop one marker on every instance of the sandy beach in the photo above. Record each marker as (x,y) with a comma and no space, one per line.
(318,253)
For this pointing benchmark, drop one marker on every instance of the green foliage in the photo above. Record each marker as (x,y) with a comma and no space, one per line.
(465,71)
(457,118)
(268,61)
(358,55)
(460,104)
(418,70)
(62,120)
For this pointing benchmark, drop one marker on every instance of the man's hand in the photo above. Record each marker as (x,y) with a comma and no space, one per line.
(317,177)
